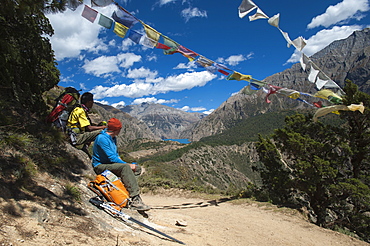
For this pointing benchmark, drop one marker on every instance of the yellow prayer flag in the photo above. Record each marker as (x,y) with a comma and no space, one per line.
(151,33)
(120,29)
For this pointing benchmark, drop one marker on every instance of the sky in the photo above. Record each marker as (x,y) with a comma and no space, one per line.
(120,72)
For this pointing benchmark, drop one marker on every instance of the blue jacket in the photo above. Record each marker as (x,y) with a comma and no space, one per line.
(105,150)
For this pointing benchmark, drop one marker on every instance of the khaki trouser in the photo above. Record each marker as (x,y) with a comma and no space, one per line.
(86,137)
(124,171)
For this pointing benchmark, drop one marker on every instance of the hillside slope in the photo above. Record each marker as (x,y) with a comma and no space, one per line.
(43,219)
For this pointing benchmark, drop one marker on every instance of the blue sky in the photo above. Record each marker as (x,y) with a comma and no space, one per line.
(120,72)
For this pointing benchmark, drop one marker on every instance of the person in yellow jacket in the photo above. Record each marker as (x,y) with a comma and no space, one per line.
(79,126)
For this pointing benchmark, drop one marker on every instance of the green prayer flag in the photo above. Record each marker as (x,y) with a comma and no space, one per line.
(105,21)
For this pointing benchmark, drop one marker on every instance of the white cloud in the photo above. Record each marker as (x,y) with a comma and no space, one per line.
(141,73)
(102,65)
(102,102)
(155,86)
(73,33)
(119,105)
(323,38)
(126,60)
(189,13)
(208,111)
(126,44)
(234,59)
(163,2)
(345,10)
(153,100)
(194,109)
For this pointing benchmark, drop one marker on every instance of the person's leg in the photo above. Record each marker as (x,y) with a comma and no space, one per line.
(86,137)
(126,174)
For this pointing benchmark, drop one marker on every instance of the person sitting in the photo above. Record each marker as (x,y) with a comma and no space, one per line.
(79,126)
(106,157)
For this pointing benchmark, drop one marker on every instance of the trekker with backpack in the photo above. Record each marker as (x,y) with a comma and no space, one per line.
(106,157)
(79,126)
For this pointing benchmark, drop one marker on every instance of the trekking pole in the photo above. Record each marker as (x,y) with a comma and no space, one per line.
(124,216)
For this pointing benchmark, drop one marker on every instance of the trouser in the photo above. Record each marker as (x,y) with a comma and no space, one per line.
(124,171)
(86,137)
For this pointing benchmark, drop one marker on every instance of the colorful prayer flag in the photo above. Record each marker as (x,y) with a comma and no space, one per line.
(120,29)
(89,13)
(105,21)
(238,76)
(135,36)
(100,3)
(124,18)
(152,34)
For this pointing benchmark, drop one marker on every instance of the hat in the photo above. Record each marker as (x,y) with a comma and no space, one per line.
(114,124)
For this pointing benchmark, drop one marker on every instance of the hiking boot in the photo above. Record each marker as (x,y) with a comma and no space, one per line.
(137,204)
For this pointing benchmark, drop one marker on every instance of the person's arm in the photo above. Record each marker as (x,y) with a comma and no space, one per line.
(110,151)
(91,128)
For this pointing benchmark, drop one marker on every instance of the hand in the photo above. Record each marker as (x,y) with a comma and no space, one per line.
(133,167)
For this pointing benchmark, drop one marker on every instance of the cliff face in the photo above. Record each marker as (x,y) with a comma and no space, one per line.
(163,121)
(343,59)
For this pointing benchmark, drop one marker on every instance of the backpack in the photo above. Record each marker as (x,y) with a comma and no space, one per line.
(108,185)
(65,103)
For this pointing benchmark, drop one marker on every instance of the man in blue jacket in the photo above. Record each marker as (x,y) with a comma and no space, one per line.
(106,157)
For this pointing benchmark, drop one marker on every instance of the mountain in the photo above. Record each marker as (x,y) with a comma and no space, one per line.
(132,127)
(163,121)
(343,59)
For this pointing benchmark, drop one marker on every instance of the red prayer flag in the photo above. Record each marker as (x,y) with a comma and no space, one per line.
(89,13)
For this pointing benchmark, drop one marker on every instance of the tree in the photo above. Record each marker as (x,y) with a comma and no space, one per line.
(329,165)
(27,64)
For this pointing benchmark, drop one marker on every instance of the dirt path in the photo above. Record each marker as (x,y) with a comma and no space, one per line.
(203,222)
(232,224)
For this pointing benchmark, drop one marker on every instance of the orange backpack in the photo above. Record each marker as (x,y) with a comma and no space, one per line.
(108,185)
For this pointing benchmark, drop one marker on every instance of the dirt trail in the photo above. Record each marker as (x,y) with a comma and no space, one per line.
(226,222)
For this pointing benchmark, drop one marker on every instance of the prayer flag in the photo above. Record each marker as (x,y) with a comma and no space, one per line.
(272,89)
(223,72)
(305,62)
(162,46)
(120,29)
(148,42)
(89,13)
(191,55)
(289,93)
(100,3)
(314,71)
(246,7)
(321,80)
(135,36)
(238,76)
(124,18)
(299,43)
(258,15)
(274,21)
(152,34)
(170,43)
(204,62)
(331,109)
(105,21)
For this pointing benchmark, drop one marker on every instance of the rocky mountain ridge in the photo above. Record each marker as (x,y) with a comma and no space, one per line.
(343,59)
(163,121)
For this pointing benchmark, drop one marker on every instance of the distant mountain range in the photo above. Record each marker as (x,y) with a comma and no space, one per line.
(164,122)
(343,59)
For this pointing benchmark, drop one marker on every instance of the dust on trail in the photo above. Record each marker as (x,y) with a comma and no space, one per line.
(202,222)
